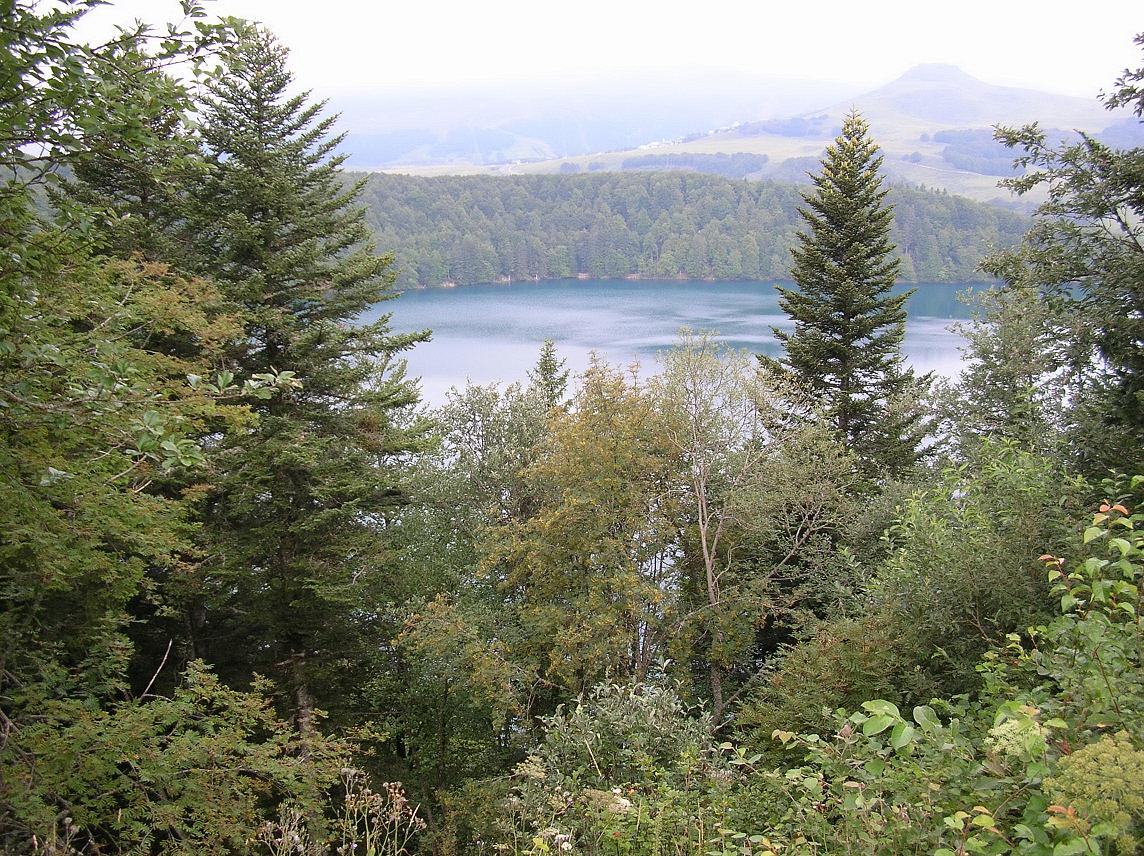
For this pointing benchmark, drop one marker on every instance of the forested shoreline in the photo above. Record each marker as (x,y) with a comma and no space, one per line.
(256,598)
(658,225)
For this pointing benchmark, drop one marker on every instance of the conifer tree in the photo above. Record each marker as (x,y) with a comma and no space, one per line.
(848,327)
(549,377)
(99,433)
(295,521)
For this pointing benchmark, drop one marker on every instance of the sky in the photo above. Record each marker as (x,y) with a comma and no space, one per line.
(347,45)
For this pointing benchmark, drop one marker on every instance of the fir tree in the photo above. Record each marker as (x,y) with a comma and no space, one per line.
(549,377)
(295,522)
(848,327)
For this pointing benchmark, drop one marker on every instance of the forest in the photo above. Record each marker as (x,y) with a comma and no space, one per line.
(258,599)
(659,225)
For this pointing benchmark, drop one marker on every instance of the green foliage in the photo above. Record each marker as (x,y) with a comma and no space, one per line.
(117,385)
(624,771)
(63,101)
(1014,385)
(97,417)
(465,229)
(1037,763)
(1085,248)
(549,377)
(190,774)
(846,344)
(1044,760)
(960,572)
(589,568)
(1102,783)
(1093,651)
(762,503)
(624,733)
(844,662)
(954,781)
(1015,771)
(294,520)
(204,455)
(456,693)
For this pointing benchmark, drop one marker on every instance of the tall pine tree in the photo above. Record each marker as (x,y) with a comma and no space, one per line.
(295,522)
(848,327)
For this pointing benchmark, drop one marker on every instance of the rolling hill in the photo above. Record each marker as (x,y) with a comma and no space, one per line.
(934,124)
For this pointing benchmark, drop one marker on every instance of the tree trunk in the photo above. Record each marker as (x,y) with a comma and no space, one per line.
(303,701)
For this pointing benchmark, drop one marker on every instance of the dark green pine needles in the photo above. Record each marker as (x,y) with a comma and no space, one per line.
(848,328)
(296,521)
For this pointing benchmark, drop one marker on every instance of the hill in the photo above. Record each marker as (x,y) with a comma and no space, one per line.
(485,125)
(934,124)
(464,229)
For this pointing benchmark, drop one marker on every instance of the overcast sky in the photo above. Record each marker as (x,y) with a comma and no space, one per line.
(1074,48)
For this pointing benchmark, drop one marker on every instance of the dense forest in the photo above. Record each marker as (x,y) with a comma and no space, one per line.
(658,225)
(257,599)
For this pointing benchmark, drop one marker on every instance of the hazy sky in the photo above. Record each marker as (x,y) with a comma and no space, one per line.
(1074,48)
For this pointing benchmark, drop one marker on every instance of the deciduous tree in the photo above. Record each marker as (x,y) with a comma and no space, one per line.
(1086,252)
(761,497)
(589,572)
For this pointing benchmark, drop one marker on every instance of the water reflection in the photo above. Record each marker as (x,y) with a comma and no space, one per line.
(487,333)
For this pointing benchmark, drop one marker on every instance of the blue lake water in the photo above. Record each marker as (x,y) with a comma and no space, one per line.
(492,333)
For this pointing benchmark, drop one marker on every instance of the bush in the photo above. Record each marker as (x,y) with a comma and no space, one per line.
(959,573)
(629,769)
(1028,766)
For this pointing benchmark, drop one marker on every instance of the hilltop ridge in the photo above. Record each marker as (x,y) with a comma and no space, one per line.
(934,124)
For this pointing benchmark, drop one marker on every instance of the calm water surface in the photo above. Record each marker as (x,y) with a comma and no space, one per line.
(491,333)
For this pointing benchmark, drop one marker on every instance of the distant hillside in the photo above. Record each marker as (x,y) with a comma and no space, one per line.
(934,124)
(487,125)
(943,96)
(664,224)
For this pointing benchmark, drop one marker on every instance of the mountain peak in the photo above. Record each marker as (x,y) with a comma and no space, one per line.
(937,72)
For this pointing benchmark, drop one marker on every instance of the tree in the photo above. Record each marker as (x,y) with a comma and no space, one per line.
(588,575)
(549,377)
(848,328)
(295,521)
(1013,384)
(960,572)
(758,496)
(99,419)
(1085,252)
(451,680)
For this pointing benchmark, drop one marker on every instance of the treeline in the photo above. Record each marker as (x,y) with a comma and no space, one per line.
(733,165)
(796,126)
(975,150)
(736,165)
(658,225)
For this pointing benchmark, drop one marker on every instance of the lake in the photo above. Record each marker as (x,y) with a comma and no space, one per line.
(490,333)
